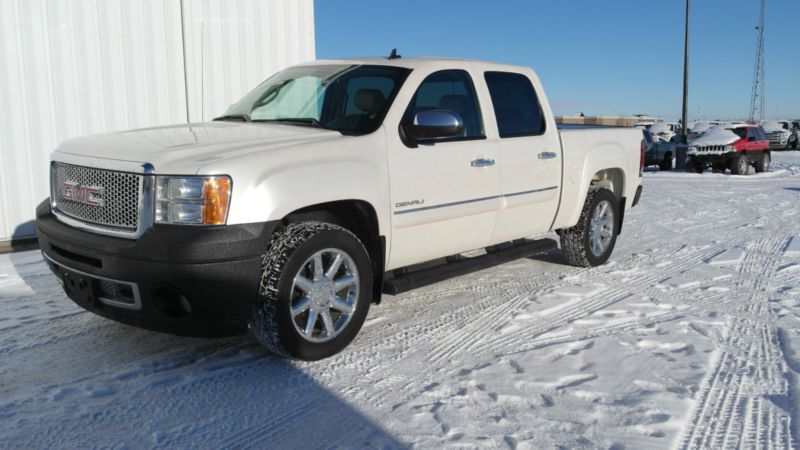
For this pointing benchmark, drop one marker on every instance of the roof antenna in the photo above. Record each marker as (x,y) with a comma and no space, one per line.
(394,55)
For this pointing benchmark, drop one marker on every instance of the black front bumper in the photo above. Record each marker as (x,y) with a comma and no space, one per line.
(191,281)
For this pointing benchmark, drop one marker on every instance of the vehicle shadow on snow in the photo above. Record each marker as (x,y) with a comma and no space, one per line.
(116,385)
(552,257)
(796,189)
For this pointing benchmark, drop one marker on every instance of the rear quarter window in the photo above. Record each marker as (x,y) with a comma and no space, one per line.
(516,105)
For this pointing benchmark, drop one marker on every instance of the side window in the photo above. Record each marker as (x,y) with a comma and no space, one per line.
(516,105)
(452,90)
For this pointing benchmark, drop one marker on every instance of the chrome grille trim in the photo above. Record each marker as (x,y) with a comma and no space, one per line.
(143,210)
(121,196)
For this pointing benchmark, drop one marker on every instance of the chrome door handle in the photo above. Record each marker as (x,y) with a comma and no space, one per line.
(482,162)
(548,155)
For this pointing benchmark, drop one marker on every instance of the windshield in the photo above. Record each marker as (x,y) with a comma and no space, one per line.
(347,98)
(741,132)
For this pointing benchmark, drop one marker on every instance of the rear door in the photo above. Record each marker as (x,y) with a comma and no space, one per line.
(529,157)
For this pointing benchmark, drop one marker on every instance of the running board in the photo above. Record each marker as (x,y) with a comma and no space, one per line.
(396,283)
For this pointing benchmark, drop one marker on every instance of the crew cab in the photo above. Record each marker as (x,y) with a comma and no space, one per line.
(330,183)
(735,147)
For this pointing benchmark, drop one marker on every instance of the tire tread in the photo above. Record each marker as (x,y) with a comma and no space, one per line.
(572,239)
(264,322)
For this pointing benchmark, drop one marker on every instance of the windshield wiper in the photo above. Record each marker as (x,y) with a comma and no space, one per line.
(241,117)
(310,121)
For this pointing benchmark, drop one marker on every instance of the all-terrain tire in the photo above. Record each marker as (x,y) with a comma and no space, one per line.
(666,163)
(290,247)
(575,243)
(693,167)
(762,165)
(739,164)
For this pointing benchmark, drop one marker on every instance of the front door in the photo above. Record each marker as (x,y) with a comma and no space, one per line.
(444,194)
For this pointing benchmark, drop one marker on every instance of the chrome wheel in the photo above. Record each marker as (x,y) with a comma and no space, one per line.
(324,295)
(601,228)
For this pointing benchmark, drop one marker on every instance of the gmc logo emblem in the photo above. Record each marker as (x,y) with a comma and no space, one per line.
(88,195)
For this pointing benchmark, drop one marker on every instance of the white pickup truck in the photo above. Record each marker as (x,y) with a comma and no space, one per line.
(326,186)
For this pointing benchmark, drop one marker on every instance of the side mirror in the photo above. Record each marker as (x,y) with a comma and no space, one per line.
(434,124)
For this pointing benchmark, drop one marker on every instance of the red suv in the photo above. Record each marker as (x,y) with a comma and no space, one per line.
(720,150)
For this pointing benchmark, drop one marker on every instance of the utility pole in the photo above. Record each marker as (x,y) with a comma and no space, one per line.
(680,159)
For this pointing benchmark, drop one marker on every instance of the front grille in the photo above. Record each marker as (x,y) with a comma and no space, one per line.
(710,149)
(776,137)
(121,197)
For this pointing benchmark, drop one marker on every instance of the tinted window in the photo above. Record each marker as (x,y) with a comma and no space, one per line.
(741,132)
(346,98)
(516,105)
(451,90)
(380,84)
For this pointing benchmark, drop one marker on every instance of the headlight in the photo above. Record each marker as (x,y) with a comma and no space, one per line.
(730,148)
(193,200)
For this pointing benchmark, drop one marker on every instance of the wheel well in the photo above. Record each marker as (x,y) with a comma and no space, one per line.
(360,218)
(611,179)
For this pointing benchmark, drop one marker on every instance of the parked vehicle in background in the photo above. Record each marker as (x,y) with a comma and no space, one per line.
(697,129)
(733,147)
(329,184)
(658,153)
(794,138)
(665,131)
(779,133)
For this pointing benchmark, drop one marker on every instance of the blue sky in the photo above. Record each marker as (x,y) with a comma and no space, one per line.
(597,57)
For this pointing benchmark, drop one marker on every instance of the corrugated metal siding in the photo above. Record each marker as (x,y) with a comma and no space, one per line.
(76,67)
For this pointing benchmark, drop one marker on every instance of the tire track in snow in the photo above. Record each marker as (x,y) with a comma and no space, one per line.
(474,327)
(730,405)
(587,306)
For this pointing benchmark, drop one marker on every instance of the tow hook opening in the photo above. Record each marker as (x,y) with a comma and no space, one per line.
(171,302)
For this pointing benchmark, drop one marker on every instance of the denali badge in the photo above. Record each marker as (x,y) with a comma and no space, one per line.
(88,195)
(420,201)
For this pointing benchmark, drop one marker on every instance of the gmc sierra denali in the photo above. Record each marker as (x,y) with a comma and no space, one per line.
(329,184)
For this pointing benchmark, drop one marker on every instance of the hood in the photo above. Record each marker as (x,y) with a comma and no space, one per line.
(716,136)
(659,128)
(184,149)
(772,126)
(700,127)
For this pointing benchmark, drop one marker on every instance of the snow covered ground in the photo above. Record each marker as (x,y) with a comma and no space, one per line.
(689,337)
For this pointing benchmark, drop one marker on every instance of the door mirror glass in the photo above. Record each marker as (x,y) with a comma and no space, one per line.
(434,124)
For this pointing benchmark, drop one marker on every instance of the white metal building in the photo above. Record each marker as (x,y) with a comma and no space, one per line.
(76,67)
